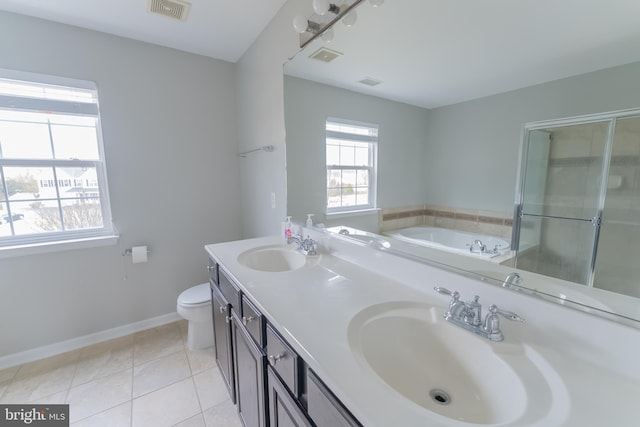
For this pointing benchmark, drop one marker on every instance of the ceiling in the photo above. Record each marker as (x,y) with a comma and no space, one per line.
(432,53)
(222,29)
(428,53)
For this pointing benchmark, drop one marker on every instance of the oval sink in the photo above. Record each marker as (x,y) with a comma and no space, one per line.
(274,258)
(450,371)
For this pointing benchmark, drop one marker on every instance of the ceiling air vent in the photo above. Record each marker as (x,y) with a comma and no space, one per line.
(369,81)
(175,9)
(325,55)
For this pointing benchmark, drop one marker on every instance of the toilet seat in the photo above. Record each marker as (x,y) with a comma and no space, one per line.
(196,296)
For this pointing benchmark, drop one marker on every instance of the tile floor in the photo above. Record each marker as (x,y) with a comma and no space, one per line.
(149,378)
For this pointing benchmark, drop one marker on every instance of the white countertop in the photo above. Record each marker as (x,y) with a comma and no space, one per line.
(313,306)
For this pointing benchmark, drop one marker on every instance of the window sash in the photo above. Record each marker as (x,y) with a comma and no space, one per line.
(66,97)
(366,133)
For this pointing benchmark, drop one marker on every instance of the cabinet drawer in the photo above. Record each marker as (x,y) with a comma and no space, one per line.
(253,321)
(324,408)
(284,360)
(213,271)
(229,290)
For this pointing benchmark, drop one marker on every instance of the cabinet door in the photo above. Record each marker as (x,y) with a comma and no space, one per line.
(283,409)
(222,339)
(324,408)
(249,364)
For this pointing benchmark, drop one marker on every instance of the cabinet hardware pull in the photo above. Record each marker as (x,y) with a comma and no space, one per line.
(211,268)
(274,358)
(227,319)
(249,319)
(222,309)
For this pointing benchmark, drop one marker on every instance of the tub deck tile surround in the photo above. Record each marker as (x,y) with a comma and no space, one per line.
(469,220)
(149,378)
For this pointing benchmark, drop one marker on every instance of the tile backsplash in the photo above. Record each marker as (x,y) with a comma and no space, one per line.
(496,224)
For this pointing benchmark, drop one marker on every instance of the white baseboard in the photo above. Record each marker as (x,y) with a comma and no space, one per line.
(83,341)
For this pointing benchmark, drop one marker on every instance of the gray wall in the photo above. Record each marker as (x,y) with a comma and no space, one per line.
(261,122)
(472,159)
(401,146)
(168,121)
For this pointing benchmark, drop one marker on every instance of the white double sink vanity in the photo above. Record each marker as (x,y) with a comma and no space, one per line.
(356,336)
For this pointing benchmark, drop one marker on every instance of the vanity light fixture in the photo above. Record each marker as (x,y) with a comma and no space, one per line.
(326,14)
(321,7)
(302,25)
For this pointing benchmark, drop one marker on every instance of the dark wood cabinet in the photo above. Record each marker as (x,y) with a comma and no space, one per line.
(267,380)
(249,363)
(323,407)
(284,409)
(223,339)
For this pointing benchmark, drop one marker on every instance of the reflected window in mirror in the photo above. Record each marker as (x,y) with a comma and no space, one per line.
(351,151)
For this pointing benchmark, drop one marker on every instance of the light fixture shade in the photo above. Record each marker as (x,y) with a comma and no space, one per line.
(328,35)
(321,6)
(350,18)
(300,24)
(376,3)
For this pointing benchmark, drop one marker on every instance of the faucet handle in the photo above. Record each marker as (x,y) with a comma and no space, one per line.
(445,291)
(506,314)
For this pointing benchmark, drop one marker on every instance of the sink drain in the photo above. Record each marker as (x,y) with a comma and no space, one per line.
(440,396)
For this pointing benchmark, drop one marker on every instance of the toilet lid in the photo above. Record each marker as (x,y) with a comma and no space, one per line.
(196,295)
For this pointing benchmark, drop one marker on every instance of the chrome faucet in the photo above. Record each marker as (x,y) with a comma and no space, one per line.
(511,279)
(307,245)
(468,315)
(481,246)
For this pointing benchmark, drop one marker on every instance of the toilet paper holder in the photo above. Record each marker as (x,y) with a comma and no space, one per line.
(129,252)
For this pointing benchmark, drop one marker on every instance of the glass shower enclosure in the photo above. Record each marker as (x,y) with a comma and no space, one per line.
(577,214)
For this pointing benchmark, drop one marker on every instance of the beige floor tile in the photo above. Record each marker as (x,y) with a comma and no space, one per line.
(184,330)
(222,415)
(159,373)
(119,416)
(167,406)
(8,374)
(201,360)
(210,387)
(41,378)
(197,421)
(56,398)
(103,359)
(98,395)
(157,342)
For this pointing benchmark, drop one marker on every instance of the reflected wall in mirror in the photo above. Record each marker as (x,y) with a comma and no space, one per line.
(449,141)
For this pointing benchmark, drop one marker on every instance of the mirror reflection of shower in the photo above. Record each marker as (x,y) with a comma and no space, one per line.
(578,209)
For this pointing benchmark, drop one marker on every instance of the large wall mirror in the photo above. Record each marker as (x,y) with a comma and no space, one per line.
(454,89)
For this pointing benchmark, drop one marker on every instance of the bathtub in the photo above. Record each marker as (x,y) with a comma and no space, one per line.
(451,240)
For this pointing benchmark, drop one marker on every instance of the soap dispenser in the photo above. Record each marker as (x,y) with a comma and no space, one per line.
(309,221)
(287,231)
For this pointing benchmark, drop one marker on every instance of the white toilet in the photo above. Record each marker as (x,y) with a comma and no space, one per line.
(194,304)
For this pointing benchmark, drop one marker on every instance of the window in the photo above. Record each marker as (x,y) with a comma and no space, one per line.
(351,165)
(53,185)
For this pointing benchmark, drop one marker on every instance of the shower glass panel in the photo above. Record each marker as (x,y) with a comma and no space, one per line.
(561,199)
(564,251)
(567,183)
(617,268)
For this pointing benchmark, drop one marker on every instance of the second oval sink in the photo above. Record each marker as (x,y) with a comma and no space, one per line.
(448,370)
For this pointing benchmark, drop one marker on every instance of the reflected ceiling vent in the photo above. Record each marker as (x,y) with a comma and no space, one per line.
(176,9)
(325,55)
(369,81)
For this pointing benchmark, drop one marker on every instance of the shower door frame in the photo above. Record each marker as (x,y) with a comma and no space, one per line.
(611,118)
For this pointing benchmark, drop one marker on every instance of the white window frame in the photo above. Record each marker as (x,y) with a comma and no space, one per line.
(68,239)
(372,140)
